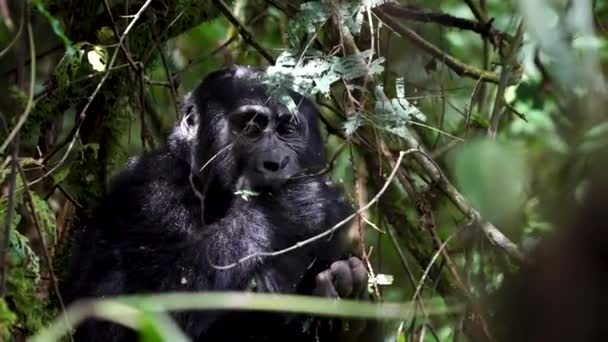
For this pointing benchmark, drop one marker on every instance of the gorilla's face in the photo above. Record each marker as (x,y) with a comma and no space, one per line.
(254,141)
(269,141)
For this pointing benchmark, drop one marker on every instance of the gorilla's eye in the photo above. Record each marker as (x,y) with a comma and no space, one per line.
(249,123)
(286,128)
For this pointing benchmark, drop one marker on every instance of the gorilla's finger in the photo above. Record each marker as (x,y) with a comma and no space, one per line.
(342,278)
(324,285)
(359,275)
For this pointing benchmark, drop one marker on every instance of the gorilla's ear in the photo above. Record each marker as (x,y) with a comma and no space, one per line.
(185,131)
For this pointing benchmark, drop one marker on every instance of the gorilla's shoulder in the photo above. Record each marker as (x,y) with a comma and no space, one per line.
(153,167)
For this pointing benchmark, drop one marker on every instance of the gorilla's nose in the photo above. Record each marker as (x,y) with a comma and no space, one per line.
(272,165)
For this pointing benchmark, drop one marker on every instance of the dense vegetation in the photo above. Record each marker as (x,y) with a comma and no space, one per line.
(463,130)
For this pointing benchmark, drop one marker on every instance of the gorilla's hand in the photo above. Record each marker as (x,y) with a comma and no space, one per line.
(343,279)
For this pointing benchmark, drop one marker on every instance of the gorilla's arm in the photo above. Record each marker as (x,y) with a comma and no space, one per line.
(146,237)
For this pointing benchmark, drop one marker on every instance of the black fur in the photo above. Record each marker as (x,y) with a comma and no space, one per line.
(152,234)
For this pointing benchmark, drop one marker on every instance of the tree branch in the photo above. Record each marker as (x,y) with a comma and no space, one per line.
(456,65)
(428,16)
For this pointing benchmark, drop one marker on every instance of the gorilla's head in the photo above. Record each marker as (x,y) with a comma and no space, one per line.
(244,138)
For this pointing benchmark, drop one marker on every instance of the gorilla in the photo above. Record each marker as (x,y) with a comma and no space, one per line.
(177,213)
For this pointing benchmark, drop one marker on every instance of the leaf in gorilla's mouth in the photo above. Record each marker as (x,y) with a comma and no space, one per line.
(246,194)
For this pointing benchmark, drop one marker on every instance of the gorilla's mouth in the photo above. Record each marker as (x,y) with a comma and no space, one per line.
(260,182)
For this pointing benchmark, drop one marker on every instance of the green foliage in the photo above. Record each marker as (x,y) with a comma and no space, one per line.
(312,15)
(354,121)
(55,24)
(493,175)
(595,139)
(46,217)
(315,73)
(7,319)
(28,299)
(25,302)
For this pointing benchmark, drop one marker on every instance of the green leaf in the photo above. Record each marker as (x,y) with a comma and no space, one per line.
(158,327)
(312,15)
(246,194)
(60,175)
(396,110)
(354,121)
(98,58)
(493,176)
(357,65)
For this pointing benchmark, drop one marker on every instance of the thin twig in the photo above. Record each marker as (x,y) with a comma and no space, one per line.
(162,36)
(224,149)
(45,253)
(115,30)
(247,36)
(221,47)
(61,161)
(505,74)
(113,59)
(4,260)
(142,112)
(425,15)
(476,11)
(17,35)
(330,230)
(30,98)
(328,167)
(428,268)
(170,79)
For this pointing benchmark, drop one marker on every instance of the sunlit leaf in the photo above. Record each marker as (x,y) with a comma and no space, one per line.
(354,121)
(98,58)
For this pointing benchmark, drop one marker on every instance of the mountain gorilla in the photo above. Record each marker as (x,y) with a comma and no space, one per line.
(175,214)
